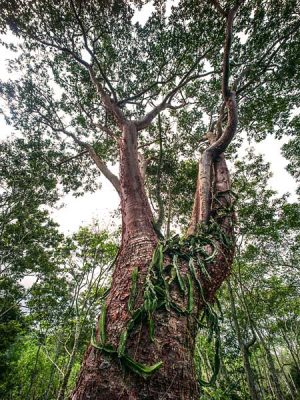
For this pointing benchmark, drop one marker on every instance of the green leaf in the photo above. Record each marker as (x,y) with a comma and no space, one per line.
(140,369)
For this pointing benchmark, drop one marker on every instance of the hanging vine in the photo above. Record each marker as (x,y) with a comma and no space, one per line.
(195,252)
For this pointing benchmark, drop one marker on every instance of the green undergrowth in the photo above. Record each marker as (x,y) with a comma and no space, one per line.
(157,294)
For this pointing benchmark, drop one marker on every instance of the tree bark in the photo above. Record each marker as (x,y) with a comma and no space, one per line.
(137,219)
(102,375)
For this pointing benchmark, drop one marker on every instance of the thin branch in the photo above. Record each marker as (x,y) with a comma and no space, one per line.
(147,144)
(106,129)
(148,118)
(137,95)
(71,158)
(109,104)
(151,86)
(64,50)
(145,90)
(239,78)
(114,180)
(45,351)
(282,40)
(166,102)
(92,54)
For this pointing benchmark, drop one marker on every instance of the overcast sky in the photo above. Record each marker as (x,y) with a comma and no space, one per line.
(99,206)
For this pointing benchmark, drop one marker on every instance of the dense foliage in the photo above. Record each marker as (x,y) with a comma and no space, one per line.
(45,328)
(64,136)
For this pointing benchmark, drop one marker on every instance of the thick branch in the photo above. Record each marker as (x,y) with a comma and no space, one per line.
(109,104)
(229,15)
(220,121)
(103,168)
(203,197)
(161,210)
(222,143)
(218,7)
(227,47)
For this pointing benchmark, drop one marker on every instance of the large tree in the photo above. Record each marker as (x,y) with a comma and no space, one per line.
(90,80)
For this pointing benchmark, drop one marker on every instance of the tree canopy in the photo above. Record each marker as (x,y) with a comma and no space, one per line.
(85,73)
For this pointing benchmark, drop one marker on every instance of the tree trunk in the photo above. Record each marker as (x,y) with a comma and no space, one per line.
(274,382)
(106,373)
(260,377)
(52,370)
(67,372)
(273,373)
(293,352)
(33,373)
(288,382)
(244,349)
(272,369)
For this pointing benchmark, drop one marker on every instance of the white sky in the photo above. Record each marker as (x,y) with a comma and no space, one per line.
(84,210)
(100,205)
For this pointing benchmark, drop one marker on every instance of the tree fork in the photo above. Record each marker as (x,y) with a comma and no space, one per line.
(103,376)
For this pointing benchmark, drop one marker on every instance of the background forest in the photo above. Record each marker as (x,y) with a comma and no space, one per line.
(45,327)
